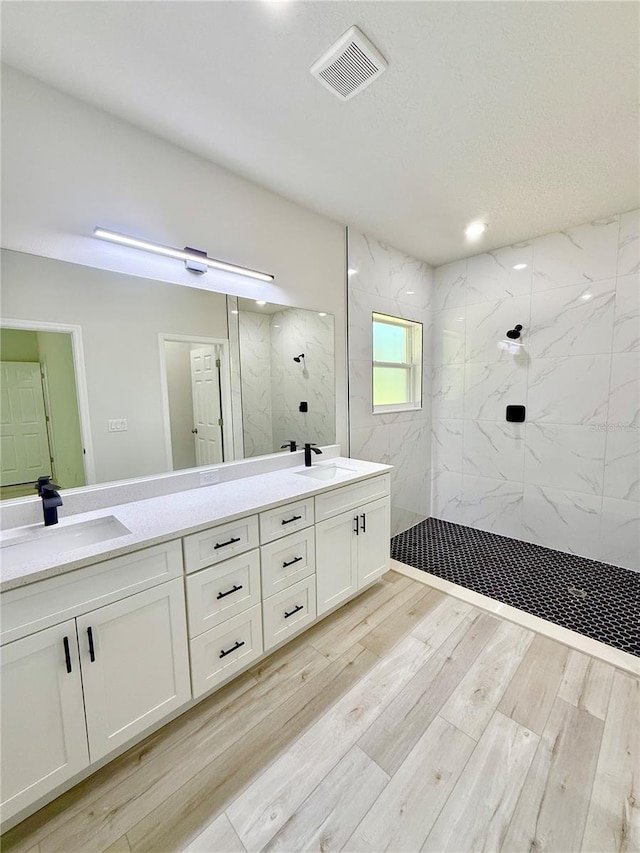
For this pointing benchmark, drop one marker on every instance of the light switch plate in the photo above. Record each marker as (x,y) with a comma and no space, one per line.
(117,424)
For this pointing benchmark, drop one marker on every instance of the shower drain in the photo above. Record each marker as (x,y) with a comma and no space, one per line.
(576,592)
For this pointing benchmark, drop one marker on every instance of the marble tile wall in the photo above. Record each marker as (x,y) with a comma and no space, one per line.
(569,477)
(257,415)
(384,280)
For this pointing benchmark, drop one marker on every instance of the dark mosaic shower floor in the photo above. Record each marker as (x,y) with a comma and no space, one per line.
(594,599)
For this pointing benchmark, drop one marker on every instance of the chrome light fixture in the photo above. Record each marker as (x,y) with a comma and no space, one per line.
(195,260)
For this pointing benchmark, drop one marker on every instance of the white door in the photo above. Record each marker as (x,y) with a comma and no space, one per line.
(373,541)
(23,430)
(135,666)
(207,409)
(336,560)
(44,738)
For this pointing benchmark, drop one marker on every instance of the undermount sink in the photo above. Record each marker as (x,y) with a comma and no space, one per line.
(326,471)
(46,541)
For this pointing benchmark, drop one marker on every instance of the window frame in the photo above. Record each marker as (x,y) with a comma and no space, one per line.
(413,367)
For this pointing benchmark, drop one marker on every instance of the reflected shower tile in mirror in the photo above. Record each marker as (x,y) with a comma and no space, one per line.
(629,243)
(574,320)
(492,274)
(626,329)
(576,256)
(570,390)
(565,456)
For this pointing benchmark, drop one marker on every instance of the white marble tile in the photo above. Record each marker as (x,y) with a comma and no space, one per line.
(577,255)
(565,456)
(449,286)
(402,519)
(413,494)
(447,391)
(446,496)
(410,280)
(361,308)
(562,520)
(320,427)
(488,323)
(369,261)
(449,336)
(409,447)
(371,444)
(570,390)
(492,274)
(446,444)
(360,395)
(574,320)
(620,533)
(494,505)
(622,465)
(626,328)
(494,449)
(489,388)
(624,400)
(629,243)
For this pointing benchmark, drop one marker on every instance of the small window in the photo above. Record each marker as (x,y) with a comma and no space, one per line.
(397,364)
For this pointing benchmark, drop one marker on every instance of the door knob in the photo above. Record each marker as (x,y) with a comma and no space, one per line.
(195,430)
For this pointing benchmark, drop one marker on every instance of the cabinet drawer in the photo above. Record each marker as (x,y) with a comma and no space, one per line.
(222,591)
(289,611)
(36,606)
(219,543)
(285,519)
(350,497)
(287,561)
(225,650)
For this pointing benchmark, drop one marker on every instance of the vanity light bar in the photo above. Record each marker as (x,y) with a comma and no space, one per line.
(192,258)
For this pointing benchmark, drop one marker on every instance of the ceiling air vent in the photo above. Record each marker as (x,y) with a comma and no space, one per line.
(350,65)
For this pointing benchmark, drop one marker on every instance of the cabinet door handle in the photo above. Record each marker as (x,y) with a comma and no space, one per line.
(67,653)
(289,520)
(364,522)
(236,587)
(231,541)
(291,562)
(92,651)
(295,610)
(356,529)
(224,653)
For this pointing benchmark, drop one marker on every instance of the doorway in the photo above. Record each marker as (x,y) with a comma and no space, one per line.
(197,401)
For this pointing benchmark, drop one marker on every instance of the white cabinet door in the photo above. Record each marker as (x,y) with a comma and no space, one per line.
(336,560)
(44,739)
(135,665)
(373,541)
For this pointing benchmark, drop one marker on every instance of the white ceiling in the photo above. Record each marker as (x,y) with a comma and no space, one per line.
(522,114)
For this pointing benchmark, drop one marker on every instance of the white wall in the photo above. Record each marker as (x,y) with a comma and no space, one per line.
(121,317)
(68,167)
(178,363)
(569,477)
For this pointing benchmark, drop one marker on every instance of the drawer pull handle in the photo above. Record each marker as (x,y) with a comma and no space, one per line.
(236,587)
(295,610)
(231,541)
(291,562)
(92,651)
(224,653)
(289,520)
(356,529)
(67,654)
(364,522)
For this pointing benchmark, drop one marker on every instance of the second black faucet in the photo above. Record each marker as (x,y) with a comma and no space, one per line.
(308,448)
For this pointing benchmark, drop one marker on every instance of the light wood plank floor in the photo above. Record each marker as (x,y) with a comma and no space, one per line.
(406,721)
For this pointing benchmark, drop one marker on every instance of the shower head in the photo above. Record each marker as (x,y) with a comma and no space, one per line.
(298,358)
(514,333)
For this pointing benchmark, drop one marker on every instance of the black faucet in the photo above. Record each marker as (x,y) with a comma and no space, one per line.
(290,444)
(307,453)
(51,500)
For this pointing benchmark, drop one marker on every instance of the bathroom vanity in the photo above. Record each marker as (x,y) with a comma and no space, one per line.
(118,619)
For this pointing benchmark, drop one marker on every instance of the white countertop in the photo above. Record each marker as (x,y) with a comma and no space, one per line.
(171,516)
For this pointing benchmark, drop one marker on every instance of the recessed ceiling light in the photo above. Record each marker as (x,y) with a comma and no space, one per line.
(475,230)
(410,292)
(519,266)
(352,272)
(260,302)
(322,313)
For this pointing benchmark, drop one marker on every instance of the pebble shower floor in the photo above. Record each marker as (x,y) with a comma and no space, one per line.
(592,598)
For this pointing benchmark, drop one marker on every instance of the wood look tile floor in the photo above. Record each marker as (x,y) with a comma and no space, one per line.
(406,721)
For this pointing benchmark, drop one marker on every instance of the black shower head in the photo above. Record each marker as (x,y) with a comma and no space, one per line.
(514,333)
(301,356)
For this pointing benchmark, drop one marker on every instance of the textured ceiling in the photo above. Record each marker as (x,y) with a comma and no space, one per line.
(522,114)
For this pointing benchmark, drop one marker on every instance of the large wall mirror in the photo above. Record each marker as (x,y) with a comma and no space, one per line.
(108,377)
